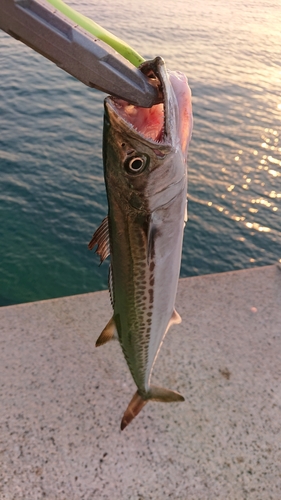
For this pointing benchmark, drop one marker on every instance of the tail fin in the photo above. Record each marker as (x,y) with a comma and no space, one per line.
(135,406)
(138,402)
(164,395)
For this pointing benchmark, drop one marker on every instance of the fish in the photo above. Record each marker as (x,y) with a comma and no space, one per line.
(145,172)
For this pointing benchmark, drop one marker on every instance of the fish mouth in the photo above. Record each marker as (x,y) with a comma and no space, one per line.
(150,123)
(167,124)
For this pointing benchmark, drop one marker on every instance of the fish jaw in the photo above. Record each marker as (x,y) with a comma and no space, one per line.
(146,181)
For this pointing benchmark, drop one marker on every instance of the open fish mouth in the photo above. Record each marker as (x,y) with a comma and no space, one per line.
(168,123)
(148,122)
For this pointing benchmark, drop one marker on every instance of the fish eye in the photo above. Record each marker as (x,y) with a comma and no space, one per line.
(136,164)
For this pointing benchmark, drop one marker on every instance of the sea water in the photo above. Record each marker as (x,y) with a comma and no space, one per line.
(52,194)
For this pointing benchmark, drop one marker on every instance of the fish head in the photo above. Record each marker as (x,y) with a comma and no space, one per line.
(149,145)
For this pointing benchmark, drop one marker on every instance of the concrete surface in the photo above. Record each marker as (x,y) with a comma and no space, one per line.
(62,400)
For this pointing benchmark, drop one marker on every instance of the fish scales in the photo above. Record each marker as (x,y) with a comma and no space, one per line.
(144,152)
(131,278)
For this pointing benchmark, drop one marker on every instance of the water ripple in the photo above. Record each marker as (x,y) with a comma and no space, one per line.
(52,193)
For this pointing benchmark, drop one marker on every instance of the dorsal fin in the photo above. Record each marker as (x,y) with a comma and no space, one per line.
(101,239)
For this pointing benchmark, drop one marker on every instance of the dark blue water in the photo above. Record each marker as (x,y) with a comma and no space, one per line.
(52,194)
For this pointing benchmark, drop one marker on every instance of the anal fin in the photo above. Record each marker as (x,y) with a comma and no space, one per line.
(175,320)
(108,333)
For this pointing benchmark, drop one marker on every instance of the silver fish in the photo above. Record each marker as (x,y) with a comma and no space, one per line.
(145,172)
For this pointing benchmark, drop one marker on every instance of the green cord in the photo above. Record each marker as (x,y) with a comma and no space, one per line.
(122,47)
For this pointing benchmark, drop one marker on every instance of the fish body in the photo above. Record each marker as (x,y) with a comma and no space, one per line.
(145,172)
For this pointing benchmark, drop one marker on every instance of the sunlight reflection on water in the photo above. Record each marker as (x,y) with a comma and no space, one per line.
(52,191)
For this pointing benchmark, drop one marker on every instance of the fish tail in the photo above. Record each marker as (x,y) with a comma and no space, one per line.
(135,406)
(164,395)
(155,393)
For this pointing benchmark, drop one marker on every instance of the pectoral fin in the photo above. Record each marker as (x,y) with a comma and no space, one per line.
(101,239)
(108,333)
(155,393)
(152,233)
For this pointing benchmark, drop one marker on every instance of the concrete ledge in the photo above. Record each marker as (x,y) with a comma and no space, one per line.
(62,399)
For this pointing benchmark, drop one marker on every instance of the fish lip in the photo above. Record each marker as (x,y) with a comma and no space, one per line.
(158,67)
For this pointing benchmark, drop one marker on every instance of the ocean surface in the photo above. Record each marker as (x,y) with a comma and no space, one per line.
(52,195)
